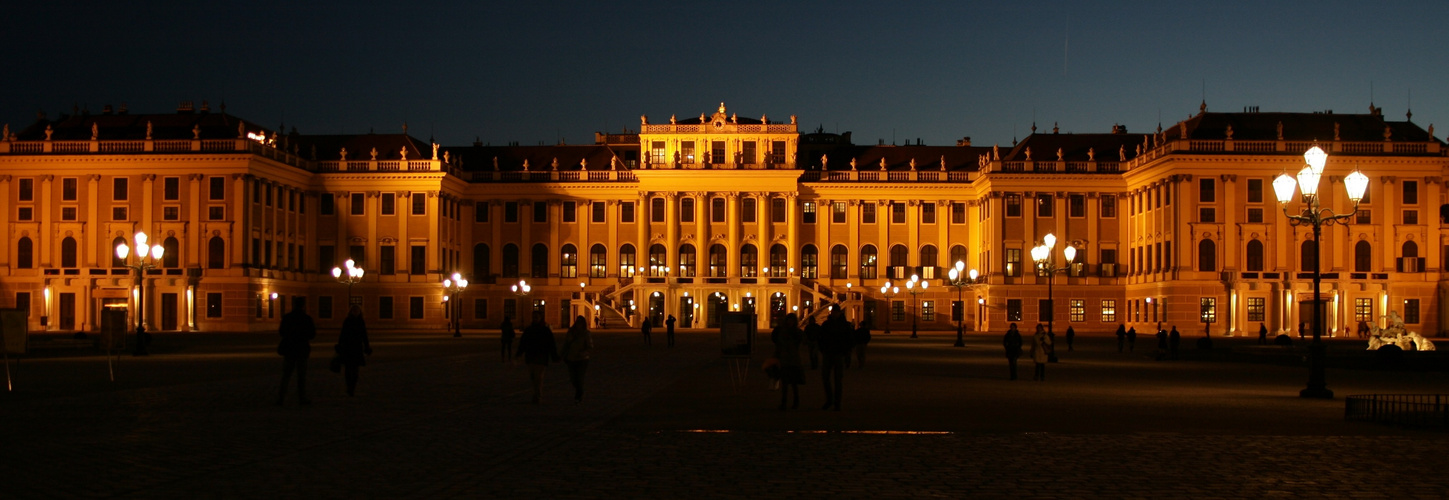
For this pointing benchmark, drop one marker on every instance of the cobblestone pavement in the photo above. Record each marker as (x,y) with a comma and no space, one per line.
(440,417)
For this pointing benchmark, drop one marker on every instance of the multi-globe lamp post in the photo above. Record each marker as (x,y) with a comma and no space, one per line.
(1046,264)
(961,280)
(454,286)
(147,257)
(521,290)
(350,275)
(1312,213)
(888,292)
(915,287)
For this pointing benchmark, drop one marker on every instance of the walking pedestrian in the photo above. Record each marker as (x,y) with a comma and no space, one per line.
(646,328)
(1174,339)
(1071,335)
(538,348)
(1040,345)
(353,347)
(860,338)
(834,348)
(787,337)
(1132,339)
(669,330)
(1302,329)
(1012,343)
(507,336)
(1262,334)
(1161,343)
(576,348)
(297,331)
(812,341)
(1121,336)
(1363,330)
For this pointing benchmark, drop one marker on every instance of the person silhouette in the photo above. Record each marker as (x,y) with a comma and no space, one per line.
(669,330)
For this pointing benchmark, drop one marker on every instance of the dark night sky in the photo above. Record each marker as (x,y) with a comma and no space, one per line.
(540,71)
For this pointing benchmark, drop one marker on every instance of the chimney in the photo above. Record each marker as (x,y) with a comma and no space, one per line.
(185,108)
(965,141)
(106,110)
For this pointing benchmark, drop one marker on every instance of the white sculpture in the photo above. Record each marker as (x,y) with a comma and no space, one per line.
(1397,335)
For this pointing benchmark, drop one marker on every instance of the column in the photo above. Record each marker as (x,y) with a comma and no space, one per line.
(913,233)
(404,209)
(373,207)
(237,214)
(195,238)
(44,239)
(732,220)
(671,232)
(611,220)
(641,228)
(495,244)
(555,214)
(762,217)
(792,230)
(86,238)
(525,244)
(433,211)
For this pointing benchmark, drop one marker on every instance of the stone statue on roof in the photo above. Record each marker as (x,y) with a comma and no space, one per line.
(1388,131)
(583,163)
(913,163)
(48,131)
(792,120)
(1280,130)
(643,120)
(6,135)
(824,162)
(1091,154)
(241,130)
(95,131)
(447,158)
(1122,153)
(525,165)
(996,152)
(374,154)
(721,107)
(148,130)
(702,119)
(1059,154)
(344,154)
(435,151)
(1431,131)
(671,119)
(196,132)
(852,164)
(1229,132)
(553,165)
(495,163)
(764,119)
(404,153)
(735,118)
(882,163)
(943,162)
(1335,131)
(1028,153)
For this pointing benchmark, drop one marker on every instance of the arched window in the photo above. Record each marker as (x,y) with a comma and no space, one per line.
(24,253)
(809,262)
(1207,256)
(928,256)
(687,261)
(900,257)
(568,262)
(717,260)
(1308,256)
(598,261)
(1255,255)
(116,260)
(839,262)
(1363,257)
(172,258)
(626,261)
(539,258)
(779,261)
(749,261)
(67,252)
(510,261)
(958,254)
(482,262)
(215,253)
(867,262)
(1410,262)
(657,260)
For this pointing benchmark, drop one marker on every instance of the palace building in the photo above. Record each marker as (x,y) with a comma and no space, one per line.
(717,212)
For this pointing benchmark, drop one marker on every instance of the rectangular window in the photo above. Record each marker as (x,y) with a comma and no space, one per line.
(928,213)
(867,213)
(597,210)
(686,152)
(1364,216)
(747,152)
(68,189)
(171,189)
(118,213)
(749,208)
(1013,309)
(389,203)
(217,188)
(419,260)
(626,212)
(958,213)
(510,212)
(1207,214)
(777,210)
(1045,205)
(216,212)
(324,307)
(717,152)
(540,211)
(25,214)
(807,214)
(1109,311)
(1411,217)
(119,189)
(415,308)
(213,305)
(898,310)
(837,212)
(387,257)
(1255,215)
(67,213)
(1206,191)
(357,203)
(1257,309)
(1411,311)
(358,255)
(171,213)
(1013,262)
(1411,192)
(1208,310)
(480,211)
(327,256)
(656,153)
(1363,310)
(570,211)
(420,203)
(898,213)
(1077,310)
(686,210)
(27,190)
(480,308)
(1109,206)
(1076,206)
(1013,205)
(326,203)
(716,210)
(1255,190)
(928,310)
(384,308)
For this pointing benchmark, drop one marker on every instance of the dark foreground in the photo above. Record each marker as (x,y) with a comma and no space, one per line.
(437,416)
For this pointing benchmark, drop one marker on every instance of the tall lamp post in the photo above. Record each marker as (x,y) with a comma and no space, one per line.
(147,258)
(962,280)
(349,276)
(915,287)
(455,286)
(521,290)
(1046,263)
(888,292)
(1312,213)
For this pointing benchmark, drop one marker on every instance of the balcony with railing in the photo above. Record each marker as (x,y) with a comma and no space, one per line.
(887,176)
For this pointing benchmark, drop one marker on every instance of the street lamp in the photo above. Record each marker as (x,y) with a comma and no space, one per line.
(1312,213)
(521,290)
(915,287)
(888,292)
(348,276)
(962,280)
(454,287)
(147,258)
(1046,263)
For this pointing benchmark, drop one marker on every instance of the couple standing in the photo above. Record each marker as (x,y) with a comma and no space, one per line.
(538,348)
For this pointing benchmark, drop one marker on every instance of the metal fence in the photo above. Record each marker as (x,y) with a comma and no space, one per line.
(1416,410)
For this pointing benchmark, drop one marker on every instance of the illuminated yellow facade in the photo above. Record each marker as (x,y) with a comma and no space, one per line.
(701,215)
